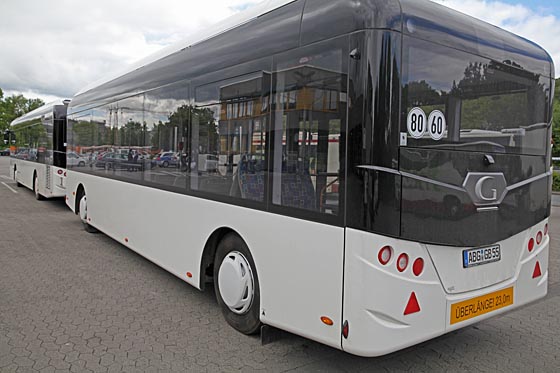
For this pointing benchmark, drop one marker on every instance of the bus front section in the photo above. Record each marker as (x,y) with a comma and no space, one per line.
(449,179)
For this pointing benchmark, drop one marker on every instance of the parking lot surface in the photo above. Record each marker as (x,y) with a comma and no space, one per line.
(75,301)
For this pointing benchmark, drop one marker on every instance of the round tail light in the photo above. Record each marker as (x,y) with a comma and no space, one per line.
(545,229)
(539,238)
(385,255)
(531,245)
(402,262)
(418,267)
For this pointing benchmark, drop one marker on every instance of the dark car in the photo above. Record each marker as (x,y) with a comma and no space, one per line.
(5,152)
(110,161)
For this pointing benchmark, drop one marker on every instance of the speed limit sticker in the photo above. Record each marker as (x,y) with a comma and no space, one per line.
(416,123)
(436,125)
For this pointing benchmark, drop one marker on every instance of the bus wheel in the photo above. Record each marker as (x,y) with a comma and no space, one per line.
(84,217)
(38,195)
(19,185)
(237,285)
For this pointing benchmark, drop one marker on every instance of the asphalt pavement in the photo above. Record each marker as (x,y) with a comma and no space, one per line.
(75,301)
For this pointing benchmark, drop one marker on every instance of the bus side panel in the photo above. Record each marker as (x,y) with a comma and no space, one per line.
(299,263)
(301,267)
(24,172)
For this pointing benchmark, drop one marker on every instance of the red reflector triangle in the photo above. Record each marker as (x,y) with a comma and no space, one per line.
(412,306)
(537,271)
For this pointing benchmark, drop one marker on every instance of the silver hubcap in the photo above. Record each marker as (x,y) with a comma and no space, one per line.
(236,282)
(83,209)
(36,185)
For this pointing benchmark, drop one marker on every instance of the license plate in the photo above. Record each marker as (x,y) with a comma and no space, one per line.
(479,306)
(480,256)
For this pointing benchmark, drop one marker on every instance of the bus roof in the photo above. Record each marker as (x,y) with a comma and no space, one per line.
(39,112)
(274,26)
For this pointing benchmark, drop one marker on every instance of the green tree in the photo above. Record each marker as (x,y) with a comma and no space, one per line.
(15,106)
(84,132)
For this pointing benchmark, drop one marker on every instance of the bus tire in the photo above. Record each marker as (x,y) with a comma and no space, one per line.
(237,285)
(38,195)
(18,184)
(83,215)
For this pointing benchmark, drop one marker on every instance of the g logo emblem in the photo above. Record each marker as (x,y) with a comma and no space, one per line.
(478,189)
(485,189)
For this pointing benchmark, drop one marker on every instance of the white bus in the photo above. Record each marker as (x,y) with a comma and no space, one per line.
(347,202)
(38,150)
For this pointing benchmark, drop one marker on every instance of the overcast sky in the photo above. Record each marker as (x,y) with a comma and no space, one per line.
(52,49)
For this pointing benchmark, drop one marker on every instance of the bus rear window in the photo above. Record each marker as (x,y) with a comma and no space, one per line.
(461,101)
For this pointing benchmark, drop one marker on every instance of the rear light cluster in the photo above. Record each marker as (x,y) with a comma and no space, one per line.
(386,254)
(538,239)
(402,262)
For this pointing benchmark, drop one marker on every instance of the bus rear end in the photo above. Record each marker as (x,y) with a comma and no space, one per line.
(453,228)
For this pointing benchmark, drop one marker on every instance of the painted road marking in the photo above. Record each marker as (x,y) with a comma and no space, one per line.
(9,187)
(5,177)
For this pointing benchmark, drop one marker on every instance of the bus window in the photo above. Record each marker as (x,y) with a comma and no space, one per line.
(228,141)
(488,105)
(164,152)
(309,107)
(130,135)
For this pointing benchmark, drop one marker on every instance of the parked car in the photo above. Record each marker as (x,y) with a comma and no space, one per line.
(5,152)
(74,159)
(168,159)
(112,161)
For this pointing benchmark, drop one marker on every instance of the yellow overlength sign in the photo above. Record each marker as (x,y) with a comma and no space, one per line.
(478,306)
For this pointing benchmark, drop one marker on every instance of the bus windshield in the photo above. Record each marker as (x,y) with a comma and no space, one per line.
(486,105)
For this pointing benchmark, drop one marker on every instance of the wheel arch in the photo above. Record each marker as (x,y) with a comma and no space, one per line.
(209,252)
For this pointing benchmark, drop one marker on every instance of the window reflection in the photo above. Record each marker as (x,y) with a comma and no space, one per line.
(34,139)
(309,105)
(228,141)
(167,119)
(142,138)
(488,105)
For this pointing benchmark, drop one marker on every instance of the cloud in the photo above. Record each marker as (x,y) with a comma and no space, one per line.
(57,48)
(534,24)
